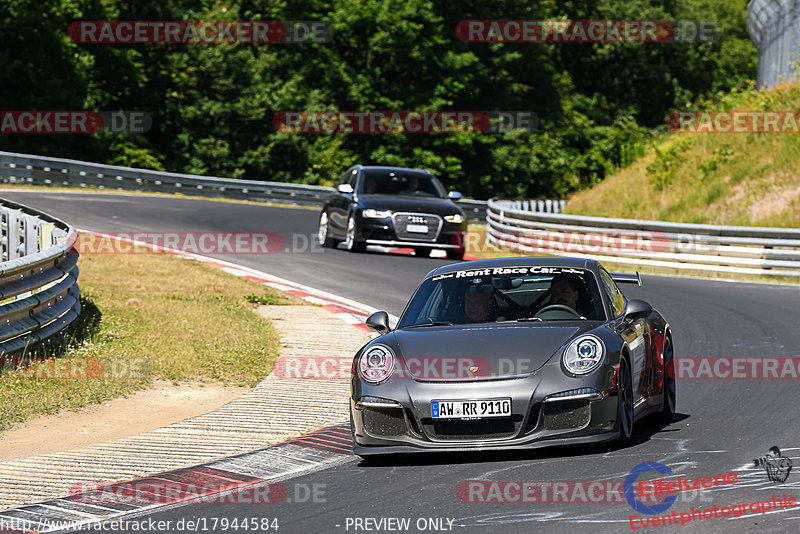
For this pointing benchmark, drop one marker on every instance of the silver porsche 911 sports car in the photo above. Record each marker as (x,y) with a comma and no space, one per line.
(512,353)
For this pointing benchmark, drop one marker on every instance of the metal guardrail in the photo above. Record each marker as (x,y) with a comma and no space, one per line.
(25,168)
(702,247)
(39,295)
(532,226)
(475,210)
(540,206)
(42,170)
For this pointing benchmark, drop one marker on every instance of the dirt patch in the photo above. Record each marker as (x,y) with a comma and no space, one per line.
(773,202)
(142,411)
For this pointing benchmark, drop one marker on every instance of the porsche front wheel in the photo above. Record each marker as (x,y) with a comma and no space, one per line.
(625,402)
(668,390)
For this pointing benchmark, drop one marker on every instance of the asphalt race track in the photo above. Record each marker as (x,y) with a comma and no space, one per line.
(723,424)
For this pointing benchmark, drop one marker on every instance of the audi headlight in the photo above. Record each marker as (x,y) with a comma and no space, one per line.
(370,213)
(456,218)
(376,364)
(584,355)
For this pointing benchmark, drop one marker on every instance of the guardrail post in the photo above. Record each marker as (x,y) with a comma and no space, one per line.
(31,227)
(4,239)
(46,235)
(13,234)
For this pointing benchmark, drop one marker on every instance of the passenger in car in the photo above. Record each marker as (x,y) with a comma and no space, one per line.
(370,186)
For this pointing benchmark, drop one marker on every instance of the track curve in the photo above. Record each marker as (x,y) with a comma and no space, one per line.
(722,424)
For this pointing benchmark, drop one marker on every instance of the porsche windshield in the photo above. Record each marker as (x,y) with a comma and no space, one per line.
(494,294)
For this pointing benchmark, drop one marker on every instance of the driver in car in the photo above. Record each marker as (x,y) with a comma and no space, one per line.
(479,303)
(412,185)
(564,290)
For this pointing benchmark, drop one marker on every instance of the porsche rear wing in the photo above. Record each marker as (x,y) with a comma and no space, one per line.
(627,278)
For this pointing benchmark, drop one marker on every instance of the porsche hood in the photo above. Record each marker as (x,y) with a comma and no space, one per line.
(482,351)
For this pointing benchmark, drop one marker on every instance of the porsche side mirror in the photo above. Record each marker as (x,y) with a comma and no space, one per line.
(378,321)
(345,188)
(455,196)
(636,309)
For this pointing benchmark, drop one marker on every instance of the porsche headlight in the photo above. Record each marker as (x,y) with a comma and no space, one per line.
(370,213)
(455,218)
(376,364)
(584,355)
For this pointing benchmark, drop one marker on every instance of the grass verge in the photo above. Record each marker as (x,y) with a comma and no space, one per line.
(748,179)
(146,316)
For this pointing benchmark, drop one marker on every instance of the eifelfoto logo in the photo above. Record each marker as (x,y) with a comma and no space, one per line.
(636,501)
(778,467)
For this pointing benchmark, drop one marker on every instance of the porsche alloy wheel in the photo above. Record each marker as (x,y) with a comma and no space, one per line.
(669,392)
(625,393)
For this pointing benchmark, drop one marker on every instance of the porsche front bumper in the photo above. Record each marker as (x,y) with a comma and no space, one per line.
(548,408)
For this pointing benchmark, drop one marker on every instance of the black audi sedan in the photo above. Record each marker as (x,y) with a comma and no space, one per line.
(393,207)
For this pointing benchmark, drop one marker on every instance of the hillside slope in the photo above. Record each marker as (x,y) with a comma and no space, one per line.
(750,179)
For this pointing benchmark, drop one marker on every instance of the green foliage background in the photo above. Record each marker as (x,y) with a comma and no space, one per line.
(212,104)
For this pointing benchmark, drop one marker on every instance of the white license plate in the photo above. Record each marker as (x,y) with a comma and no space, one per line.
(471,409)
(417,228)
